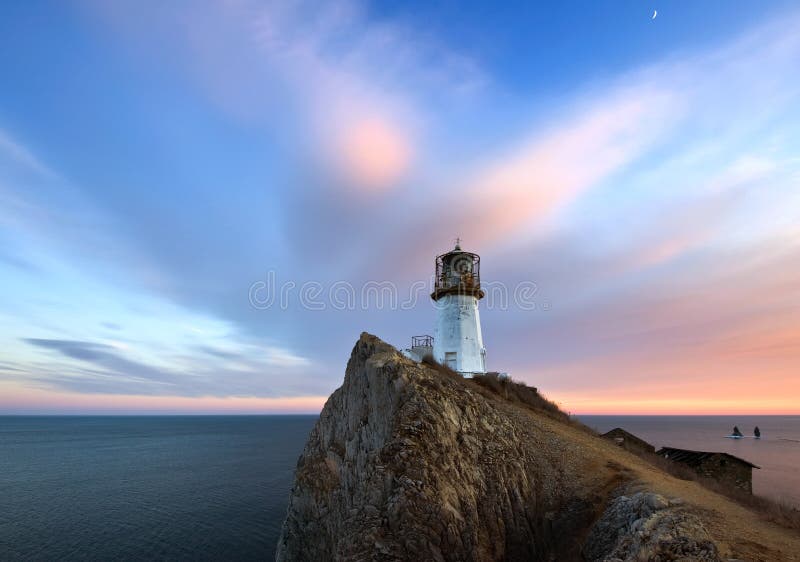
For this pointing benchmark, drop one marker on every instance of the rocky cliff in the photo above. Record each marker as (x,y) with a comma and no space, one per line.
(408,462)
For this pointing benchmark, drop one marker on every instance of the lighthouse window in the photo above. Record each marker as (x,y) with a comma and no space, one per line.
(450,359)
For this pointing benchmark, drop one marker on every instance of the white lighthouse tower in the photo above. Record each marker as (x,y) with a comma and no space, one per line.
(457,341)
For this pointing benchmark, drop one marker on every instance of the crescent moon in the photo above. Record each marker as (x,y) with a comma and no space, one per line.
(655,13)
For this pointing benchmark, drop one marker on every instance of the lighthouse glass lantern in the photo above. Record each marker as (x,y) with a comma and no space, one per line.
(458,342)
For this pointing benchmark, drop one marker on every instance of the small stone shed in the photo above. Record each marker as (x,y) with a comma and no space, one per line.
(722,467)
(629,441)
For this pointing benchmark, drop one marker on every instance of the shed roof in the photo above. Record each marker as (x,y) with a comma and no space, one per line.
(696,457)
(618,431)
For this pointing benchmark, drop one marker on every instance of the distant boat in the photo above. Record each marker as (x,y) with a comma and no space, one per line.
(757,433)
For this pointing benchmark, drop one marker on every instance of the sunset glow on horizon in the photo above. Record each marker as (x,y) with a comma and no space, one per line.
(47,403)
(38,402)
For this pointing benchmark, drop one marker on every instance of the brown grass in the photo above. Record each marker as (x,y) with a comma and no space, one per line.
(515,391)
(443,369)
(778,512)
(528,396)
(504,387)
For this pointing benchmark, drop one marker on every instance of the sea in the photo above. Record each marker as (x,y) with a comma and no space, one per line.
(216,487)
(146,488)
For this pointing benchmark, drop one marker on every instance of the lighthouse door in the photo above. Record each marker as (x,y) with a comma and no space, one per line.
(450,359)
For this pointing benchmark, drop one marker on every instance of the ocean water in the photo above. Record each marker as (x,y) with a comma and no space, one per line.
(777,452)
(216,487)
(146,488)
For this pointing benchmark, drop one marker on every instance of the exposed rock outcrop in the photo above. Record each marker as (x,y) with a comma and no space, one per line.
(647,526)
(408,463)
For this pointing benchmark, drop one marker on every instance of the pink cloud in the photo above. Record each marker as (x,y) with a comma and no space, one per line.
(521,188)
(514,194)
(722,339)
(373,152)
(18,399)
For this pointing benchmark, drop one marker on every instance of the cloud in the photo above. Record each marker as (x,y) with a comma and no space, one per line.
(218,352)
(105,369)
(642,148)
(374,153)
(615,129)
(354,92)
(114,370)
(20,155)
(87,351)
(730,320)
(520,189)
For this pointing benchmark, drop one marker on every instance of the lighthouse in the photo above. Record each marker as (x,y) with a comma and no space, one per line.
(457,341)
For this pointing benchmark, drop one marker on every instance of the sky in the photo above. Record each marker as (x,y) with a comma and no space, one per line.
(203,205)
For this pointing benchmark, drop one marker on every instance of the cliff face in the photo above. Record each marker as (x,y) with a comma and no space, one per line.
(409,463)
(406,463)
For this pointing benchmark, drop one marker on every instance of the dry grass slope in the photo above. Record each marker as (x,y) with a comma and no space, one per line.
(519,393)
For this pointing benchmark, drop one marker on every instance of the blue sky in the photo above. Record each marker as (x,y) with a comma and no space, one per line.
(157,161)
